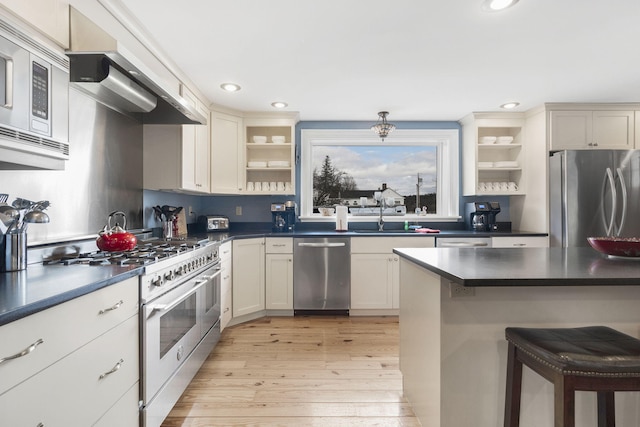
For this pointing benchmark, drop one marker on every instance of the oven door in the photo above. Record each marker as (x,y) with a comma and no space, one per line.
(172,329)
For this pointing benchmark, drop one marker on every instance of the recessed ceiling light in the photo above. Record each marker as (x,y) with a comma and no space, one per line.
(510,105)
(230,87)
(497,5)
(279,104)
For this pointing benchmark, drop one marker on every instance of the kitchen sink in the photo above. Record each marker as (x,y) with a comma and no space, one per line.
(386,231)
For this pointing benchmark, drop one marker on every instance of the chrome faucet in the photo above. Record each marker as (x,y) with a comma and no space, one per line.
(380,220)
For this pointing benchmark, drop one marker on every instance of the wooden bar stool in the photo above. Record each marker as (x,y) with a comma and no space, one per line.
(595,358)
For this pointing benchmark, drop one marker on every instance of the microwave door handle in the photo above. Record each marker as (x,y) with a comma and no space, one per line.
(623,188)
(8,83)
(608,178)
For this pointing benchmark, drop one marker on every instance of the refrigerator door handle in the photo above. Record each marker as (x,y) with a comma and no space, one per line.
(612,186)
(623,188)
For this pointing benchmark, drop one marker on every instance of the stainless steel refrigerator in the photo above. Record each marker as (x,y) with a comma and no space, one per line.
(593,193)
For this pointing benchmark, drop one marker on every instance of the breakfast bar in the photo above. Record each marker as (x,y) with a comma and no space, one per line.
(455,304)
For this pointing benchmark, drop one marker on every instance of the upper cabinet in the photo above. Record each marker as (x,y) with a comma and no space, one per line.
(176,157)
(50,17)
(493,154)
(270,155)
(227,160)
(596,126)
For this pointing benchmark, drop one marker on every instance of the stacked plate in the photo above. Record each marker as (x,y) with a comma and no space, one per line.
(485,164)
(504,140)
(506,164)
(487,140)
(257,164)
(278,163)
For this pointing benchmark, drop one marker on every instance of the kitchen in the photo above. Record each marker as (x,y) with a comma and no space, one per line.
(104,171)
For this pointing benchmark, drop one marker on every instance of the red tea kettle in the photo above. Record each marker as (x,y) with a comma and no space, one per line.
(116,238)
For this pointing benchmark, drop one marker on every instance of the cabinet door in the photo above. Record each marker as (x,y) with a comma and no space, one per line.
(570,129)
(613,129)
(203,152)
(279,282)
(225,291)
(227,164)
(248,276)
(371,281)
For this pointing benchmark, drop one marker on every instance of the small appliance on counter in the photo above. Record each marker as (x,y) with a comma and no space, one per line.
(283,216)
(212,223)
(484,216)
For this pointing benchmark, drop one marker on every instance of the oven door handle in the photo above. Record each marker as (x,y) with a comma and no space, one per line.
(200,282)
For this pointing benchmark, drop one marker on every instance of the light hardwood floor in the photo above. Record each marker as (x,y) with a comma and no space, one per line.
(300,371)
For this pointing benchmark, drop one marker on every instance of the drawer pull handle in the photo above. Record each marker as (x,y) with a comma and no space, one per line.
(278,245)
(115,368)
(226,309)
(23,352)
(114,307)
(519,244)
(40,425)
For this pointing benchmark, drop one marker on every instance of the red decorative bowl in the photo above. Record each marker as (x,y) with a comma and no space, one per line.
(616,246)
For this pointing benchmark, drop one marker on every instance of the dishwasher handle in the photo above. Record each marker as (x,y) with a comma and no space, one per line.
(462,244)
(322,245)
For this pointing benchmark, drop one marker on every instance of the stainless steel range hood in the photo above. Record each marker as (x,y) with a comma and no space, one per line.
(103,68)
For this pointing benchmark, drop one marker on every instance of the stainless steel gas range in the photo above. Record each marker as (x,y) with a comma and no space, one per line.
(179,314)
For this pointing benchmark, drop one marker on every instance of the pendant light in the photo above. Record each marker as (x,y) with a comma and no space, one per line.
(382,127)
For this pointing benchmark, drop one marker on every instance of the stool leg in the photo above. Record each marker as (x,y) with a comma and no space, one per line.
(606,409)
(564,401)
(513,392)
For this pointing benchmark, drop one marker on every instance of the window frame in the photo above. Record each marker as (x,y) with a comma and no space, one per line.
(448,164)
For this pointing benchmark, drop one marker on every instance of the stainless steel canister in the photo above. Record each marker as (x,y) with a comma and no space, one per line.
(13,251)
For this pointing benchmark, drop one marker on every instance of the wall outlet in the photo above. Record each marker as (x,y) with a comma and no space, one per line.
(191,211)
(239,210)
(457,291)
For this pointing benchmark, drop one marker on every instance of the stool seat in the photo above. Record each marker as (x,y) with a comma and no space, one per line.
(593,358)
(590,351)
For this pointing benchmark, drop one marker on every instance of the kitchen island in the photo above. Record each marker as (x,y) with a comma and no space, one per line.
(456,303)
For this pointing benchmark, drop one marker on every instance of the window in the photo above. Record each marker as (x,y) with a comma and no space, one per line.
(411,168)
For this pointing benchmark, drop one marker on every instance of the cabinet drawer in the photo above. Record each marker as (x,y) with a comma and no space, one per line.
(70,392)
(385,245)
(63,329)
(520,242)
(125,413)
(279,245)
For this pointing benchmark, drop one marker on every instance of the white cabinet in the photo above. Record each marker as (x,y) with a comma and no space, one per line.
(176,157)
(227,159)
(279,273)
(50,17)
(90,359)
(269,163)
(586,129)
(493,154)
(520,242)
(248,276)
(375,272)
(226,274)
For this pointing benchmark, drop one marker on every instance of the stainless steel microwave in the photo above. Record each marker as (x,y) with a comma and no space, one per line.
(34,99)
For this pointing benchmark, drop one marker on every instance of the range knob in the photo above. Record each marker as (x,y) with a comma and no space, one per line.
(169,275)
(157,281)
(179,271)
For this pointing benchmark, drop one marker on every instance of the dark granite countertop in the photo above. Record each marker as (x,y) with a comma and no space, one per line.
(526,266)
(40,287)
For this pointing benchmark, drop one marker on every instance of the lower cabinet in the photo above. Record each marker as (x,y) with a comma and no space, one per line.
(248,276)
(279,273)
(375,274)
(226,263)
(80,362)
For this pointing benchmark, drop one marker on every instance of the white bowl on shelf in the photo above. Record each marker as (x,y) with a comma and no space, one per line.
(487,139)
(504,140)
(258,139)
(326,211)
(278,139)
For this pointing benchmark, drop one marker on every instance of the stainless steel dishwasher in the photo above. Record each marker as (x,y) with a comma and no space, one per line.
(321,275)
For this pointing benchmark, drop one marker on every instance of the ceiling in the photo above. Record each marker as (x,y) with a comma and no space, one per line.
(417,59)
